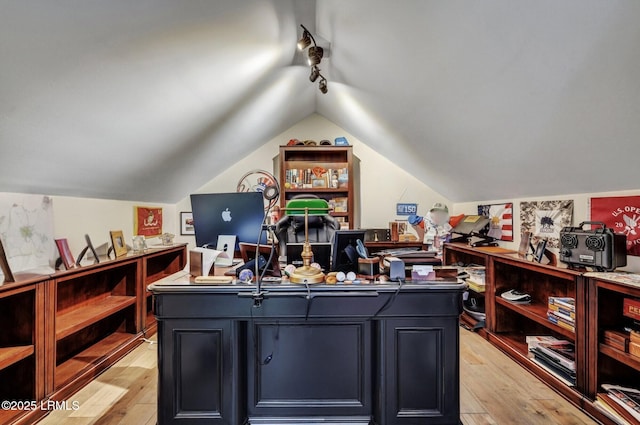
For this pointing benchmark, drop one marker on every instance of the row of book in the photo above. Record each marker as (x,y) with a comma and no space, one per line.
(562,312)
(556,356)
(316,177)
(620,404)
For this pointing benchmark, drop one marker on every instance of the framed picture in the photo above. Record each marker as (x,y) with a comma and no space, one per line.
(501,220)
(65,253)
(622,214)
(117,240)
(545,219)
(186,223)
(147,221)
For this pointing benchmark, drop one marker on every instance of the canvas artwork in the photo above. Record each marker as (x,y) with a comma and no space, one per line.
(622,215)
(501,216)
(26,228)
(545,219)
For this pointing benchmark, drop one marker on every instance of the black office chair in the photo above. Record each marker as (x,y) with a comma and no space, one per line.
(290,228)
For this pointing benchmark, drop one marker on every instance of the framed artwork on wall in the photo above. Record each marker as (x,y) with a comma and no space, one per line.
(500,220)
(147,221)
(186,223)
(622,215)
(545,219)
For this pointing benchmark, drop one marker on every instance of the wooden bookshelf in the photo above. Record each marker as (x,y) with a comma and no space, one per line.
(63,329)
(304,158)
(607,364)
(508,324)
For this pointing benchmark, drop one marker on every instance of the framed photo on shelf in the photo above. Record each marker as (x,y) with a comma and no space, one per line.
(117,240)
(186,223)
(65,253)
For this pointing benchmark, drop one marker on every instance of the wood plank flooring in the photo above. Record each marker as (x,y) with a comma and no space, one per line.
(493,390)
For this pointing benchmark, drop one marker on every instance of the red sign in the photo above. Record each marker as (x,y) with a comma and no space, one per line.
(148,221)
(622,215)
(631,308)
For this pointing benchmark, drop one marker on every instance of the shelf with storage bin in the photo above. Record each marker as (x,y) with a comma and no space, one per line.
(608,364)
(296,165)
(157,265)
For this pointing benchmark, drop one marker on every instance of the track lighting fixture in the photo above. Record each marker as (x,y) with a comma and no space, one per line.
(323,85)
(305,40)
(314,54)
(315,73)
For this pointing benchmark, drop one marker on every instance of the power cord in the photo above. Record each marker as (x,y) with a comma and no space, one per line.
(390,300)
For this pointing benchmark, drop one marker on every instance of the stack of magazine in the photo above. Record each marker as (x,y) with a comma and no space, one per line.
(556,356)
(620,404)
(562,312)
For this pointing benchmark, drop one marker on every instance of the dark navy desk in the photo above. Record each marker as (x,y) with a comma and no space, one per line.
(294,360)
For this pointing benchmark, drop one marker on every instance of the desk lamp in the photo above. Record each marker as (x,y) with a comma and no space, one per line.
(306,273)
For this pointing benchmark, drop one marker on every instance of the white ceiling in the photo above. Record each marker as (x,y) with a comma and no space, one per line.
(147,100)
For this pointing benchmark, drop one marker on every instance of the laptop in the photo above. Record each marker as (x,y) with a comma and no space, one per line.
(321,254)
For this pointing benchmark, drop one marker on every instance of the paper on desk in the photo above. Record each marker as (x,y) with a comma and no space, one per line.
(209,257)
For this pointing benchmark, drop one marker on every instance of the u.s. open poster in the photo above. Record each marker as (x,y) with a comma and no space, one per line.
(622,215)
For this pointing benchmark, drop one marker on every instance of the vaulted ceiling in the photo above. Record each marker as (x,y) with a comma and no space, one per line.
(147,100)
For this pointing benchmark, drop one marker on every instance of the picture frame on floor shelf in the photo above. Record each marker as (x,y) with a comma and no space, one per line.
(118,243)
(66,258)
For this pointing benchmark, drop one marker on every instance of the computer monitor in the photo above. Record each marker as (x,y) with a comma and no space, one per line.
(321,253)
(237,213)
(344,256)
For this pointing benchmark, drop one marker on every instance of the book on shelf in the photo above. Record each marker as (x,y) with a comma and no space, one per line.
(611,409)
(564,352)
(566,303)
(534,340)
(553,369)
(560,322)
(568,317)
(631,308)
(476,287)
(571,315)
(627,398)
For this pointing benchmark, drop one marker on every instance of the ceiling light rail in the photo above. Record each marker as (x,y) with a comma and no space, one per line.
(314,57)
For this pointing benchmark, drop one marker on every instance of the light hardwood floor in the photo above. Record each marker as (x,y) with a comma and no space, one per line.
(494,390)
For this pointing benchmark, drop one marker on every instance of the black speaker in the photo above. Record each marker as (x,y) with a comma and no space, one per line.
(599,248)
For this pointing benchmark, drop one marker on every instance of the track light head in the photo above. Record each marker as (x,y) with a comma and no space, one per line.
(315,55)
(323,85)
(315,73)
(305,40)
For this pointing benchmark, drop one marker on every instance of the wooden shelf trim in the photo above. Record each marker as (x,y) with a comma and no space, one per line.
(12,355)
(538,313)
(75,320)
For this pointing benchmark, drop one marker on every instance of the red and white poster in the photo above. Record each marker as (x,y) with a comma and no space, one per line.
(147,221)
(622,215)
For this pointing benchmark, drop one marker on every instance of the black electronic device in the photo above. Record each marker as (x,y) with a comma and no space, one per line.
(321,254)
(474,226)
(599,248)
(344,256)
(238,213)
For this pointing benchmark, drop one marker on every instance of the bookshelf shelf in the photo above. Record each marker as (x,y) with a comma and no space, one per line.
(92,357)
(621,356)
(296,165)
(75,320)
(12,355)
(538,313)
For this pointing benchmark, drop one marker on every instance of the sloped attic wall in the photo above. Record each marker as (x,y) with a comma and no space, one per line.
(382,183)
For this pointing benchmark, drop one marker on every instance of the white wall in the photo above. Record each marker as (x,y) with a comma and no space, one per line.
(73,217)
(382,183)
(580,213)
